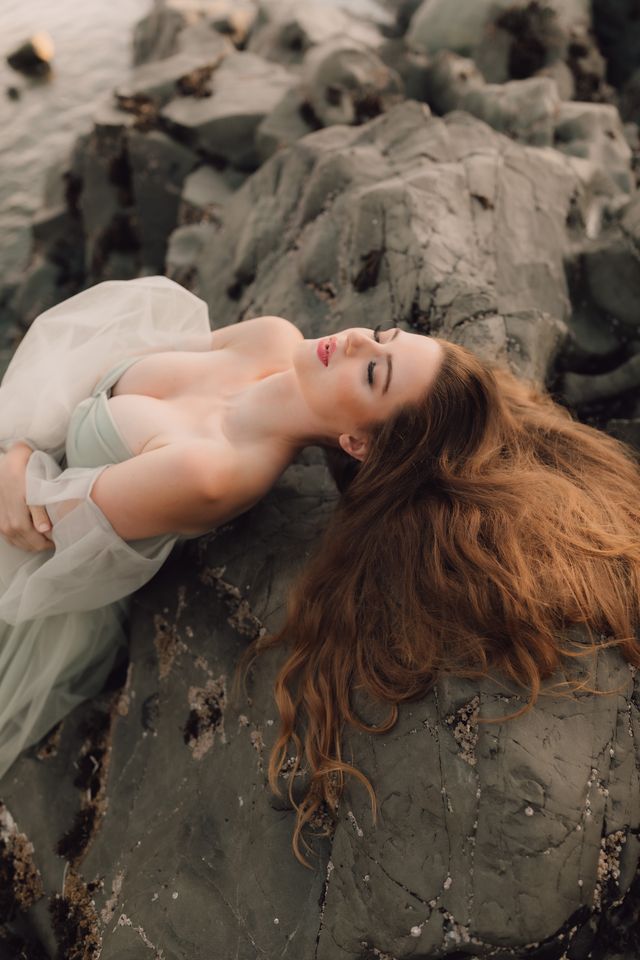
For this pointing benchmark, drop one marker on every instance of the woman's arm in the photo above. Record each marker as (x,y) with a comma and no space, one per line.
(182,488)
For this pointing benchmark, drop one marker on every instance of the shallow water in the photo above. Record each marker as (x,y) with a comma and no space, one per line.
(92,41)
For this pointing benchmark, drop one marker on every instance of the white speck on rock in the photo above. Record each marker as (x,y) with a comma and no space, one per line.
(528,811)
(447,883)
(415,931)
(175,895)
(276,921)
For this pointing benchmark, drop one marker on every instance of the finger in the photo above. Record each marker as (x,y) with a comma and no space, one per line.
(31,541)
(40,519)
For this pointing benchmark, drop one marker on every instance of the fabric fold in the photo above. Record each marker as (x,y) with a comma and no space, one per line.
(63,611)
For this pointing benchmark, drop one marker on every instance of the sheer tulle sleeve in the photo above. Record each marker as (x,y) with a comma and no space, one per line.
(69,347)
(91,565)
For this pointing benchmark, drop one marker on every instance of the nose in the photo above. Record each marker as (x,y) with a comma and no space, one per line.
(356,340)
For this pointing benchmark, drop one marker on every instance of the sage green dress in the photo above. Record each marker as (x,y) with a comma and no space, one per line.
(63,612)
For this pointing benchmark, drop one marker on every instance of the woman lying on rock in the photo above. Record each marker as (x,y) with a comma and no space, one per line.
(477,518)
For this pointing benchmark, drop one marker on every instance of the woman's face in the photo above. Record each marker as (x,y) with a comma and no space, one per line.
(357,378)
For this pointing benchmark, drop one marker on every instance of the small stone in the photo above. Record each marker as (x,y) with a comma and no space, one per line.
(528,811)
(276,921)
(415,931)
(174,895)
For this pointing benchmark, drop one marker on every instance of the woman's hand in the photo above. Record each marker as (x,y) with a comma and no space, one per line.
(22,526)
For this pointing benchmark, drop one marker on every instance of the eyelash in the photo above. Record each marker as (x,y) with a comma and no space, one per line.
(372,363)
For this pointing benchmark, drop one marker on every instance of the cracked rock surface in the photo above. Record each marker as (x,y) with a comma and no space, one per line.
(420,168)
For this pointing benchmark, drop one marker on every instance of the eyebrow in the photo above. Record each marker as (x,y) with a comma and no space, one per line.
(389,364)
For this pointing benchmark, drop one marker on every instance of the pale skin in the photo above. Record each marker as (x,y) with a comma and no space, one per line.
(212,431)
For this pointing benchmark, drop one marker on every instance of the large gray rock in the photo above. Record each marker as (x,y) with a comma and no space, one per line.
(406,218)
(173,26)
(105,201)
(175,845)
(290,119)
(162,80)
(284,30)
(144,825)
(159,168)
(345,82)
(617,28)
(595,131)
(436,25)
(523,109)
(245,89)
(611,267)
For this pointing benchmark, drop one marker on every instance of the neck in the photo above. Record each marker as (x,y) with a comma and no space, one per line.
(273,410)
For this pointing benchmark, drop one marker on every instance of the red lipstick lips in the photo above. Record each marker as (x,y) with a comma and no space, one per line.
(325,348)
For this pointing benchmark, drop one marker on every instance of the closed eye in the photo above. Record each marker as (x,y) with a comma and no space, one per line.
(372,363)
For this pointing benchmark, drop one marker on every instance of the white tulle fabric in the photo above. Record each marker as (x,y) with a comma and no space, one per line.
(62,612)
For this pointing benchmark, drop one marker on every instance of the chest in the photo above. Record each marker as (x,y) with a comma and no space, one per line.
(167,397)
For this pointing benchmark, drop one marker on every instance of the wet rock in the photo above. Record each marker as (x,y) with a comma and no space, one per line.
(291,119)
(448,78)
(630,99)
(626,430)
(105,202)
(581,389)
(39,289)
(20,879)
(223,126)
(523,109)
(161,81)
(285,30)
(34,56)
(279,243)
(205,193)
(159,166)
(611,268)
(588,66)
(345,82)
(617,28)
(595,131)
(173,26)
(563,78)
(184,250)
(147,816)
(410,66)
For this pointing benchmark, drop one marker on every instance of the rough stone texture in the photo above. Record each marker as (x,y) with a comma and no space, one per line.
(524,109)
(245,89)
(594,130)
(617,27)
(160,81)
(177,25)
(398,219)
(284,30)
(606,273)
(471,24)
(345,82)
(143,825)
(289,120)
(159,167)
(191,856)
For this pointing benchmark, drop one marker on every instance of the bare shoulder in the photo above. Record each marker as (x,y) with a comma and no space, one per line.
(258,335)
(225,472)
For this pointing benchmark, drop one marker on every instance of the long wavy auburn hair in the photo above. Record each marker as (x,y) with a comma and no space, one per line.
(483,521)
